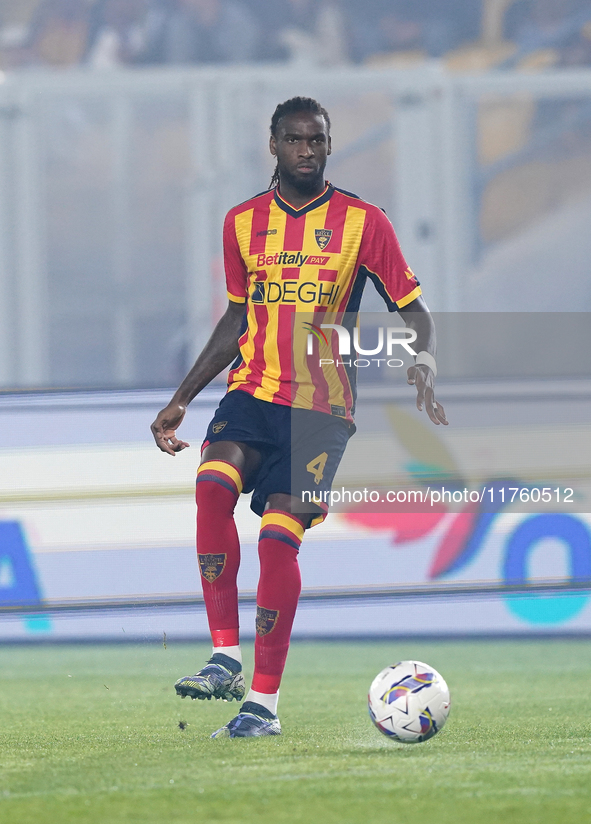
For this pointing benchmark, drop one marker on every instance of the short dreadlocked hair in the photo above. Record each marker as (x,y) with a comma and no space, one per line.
(295,105)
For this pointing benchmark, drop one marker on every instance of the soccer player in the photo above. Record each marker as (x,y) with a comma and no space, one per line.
(282,427)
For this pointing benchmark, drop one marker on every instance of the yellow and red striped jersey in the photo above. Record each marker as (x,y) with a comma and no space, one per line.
(312,263)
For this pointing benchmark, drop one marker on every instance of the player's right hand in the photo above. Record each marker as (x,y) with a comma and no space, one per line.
(165,426)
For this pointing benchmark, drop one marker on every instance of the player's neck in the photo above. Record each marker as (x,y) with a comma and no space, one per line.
(296,198)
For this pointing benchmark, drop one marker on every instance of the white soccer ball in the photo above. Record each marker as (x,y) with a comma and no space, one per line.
(409,702)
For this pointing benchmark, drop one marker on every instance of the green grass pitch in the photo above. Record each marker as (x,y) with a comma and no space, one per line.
(90,734)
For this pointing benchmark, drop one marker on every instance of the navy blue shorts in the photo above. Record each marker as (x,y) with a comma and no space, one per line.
(301,449)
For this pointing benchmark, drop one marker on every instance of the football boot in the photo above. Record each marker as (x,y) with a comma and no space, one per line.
(221,678)
(252,720)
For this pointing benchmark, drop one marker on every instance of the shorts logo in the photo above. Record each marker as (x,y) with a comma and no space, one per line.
(217,427)
(323,237)
(212,566)
(266,620)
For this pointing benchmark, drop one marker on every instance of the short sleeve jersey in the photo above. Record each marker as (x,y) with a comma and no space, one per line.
(290,266)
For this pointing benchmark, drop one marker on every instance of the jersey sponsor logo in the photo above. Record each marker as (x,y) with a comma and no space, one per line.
(266,620)
(266,232)
(212,566)
(258,292)
(323,237)
(217,427)
(291,259)
(293,291)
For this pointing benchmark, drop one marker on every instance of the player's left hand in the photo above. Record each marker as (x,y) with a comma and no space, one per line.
(423,378)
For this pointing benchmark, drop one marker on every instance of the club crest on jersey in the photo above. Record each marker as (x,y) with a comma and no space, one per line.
(323,237)
(266,620)
(217,427)
(212,566)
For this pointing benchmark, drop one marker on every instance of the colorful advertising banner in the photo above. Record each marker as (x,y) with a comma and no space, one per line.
(97,526)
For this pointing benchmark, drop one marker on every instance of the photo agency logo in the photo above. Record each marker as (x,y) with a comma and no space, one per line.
(387,339)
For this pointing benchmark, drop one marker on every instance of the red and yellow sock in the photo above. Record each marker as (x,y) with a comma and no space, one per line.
(219,485)
(277,596)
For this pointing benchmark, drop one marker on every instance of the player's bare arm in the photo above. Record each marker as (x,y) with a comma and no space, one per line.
(219,352)
(416,316)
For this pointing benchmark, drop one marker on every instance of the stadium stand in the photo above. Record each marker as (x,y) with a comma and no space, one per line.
(493,34)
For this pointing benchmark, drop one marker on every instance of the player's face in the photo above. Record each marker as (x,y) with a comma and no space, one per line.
(301,146)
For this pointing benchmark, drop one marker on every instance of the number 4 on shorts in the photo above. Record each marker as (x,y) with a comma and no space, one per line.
(316,466)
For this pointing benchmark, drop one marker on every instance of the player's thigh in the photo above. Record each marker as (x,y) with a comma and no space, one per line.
(237,434)
(245,458)
(318,445)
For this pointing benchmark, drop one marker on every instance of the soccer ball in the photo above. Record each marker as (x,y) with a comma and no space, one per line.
(409,702)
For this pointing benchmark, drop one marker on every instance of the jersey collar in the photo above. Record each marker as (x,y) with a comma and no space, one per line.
(303,210)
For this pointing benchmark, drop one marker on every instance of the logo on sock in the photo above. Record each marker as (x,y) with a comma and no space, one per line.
(212,566)
(266,620)
(217,427)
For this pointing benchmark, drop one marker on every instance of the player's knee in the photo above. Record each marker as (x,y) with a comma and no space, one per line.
(282,529)
(219,485)
(211,498)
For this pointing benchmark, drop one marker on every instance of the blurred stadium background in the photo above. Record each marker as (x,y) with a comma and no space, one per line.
(127,129)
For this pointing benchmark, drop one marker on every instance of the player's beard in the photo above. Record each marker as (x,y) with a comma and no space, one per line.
(304,185)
